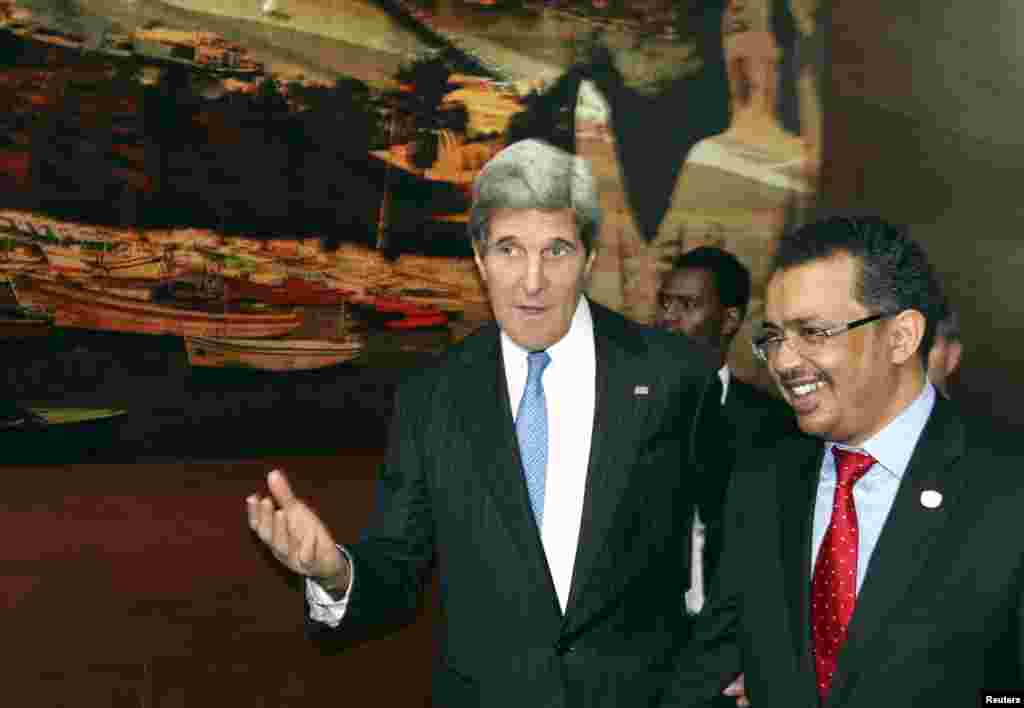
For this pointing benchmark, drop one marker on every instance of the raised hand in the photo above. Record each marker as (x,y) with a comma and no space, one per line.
(295,534)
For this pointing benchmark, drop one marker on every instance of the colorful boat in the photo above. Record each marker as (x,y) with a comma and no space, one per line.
(435,319)
(17,327)
(272,354)
(18,321)
(17,418)
(294,290)
(78,307)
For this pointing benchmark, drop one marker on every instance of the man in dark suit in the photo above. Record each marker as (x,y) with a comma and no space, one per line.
(874,558)
(705,296)
(947,349)
(546,462)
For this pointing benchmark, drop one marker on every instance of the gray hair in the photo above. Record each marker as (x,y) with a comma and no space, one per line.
(533,174)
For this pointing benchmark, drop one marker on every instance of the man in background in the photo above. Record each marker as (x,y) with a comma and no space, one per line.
(944,358)
(705,296)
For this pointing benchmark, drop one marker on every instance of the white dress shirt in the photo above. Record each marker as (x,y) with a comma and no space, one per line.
(875,492)
(695,595)
(570,393)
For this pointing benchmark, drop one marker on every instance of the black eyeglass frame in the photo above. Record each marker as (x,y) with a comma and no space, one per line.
(758,341)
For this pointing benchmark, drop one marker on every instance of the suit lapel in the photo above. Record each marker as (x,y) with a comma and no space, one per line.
(907,538)
(797,485)
(492,435)
(607,473)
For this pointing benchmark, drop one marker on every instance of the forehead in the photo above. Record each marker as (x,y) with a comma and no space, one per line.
(533,225)
(698,282)
(822,288)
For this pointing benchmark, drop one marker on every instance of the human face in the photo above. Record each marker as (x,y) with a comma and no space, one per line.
(534,267)
(850,387)
(688,302)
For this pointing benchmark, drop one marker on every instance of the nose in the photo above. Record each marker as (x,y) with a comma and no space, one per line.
(786,357)
(534,280)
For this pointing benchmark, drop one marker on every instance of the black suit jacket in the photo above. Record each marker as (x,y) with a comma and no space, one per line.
(940,612)
(749,415)
(452,486)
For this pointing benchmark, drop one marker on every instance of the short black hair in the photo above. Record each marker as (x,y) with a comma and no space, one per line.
(732,279)
(895,274)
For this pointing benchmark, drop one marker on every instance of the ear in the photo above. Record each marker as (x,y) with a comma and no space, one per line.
(906,330)
(732,322)
(479,260)
(953,352)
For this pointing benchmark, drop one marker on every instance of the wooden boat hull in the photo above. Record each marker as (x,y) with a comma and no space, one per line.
(23,328)
(292,291)
(270,355)
(80,308)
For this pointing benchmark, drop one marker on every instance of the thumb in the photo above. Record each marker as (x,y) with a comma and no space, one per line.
(280,489)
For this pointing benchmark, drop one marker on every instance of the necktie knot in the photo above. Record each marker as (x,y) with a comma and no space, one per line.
(537,361)
(851,465)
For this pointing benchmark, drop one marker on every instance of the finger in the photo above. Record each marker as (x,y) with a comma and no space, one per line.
(307,551)
(279,488)
(252,509)
(265,519)
(742,702)
(281,539)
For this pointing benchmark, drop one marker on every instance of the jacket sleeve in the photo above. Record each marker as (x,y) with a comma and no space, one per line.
(711,658)
(392,560)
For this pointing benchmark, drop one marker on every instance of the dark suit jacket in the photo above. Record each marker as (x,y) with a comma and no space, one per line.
(749,415)
(940,612)
(452,485)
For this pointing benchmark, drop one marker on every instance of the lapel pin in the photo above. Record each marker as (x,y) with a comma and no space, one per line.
(931,499)
(641,390)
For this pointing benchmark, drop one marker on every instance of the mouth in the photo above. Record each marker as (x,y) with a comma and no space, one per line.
(531,310)
(803,396)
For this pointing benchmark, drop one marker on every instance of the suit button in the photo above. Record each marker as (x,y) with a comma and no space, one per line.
(563,648)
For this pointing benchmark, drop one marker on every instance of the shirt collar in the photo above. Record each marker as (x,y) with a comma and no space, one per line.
(893,445)
(580,328)
(724,375)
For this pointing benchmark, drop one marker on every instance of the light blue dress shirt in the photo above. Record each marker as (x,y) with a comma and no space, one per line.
(874,493)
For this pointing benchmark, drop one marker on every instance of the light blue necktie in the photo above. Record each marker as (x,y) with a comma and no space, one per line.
(532,431)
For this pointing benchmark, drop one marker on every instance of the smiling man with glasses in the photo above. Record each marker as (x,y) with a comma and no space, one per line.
(873,558)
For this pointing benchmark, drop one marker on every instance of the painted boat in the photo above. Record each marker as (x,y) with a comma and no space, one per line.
(81,308)
(389,304)
(46,418)
(140,289)
(19,321)
(24,327)
(272,354)
(151,267)
(294,290)
(437,319)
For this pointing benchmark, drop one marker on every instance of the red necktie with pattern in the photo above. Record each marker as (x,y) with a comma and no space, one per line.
(834,585)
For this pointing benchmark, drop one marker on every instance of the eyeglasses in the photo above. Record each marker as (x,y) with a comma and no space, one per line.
(806,339)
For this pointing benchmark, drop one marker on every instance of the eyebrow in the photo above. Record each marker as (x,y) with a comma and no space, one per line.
(796,321)
(505,240)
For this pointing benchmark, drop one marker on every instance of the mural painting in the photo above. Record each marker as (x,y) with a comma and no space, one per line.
(229,228)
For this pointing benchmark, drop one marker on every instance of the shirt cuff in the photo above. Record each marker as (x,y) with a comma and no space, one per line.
(322,607)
